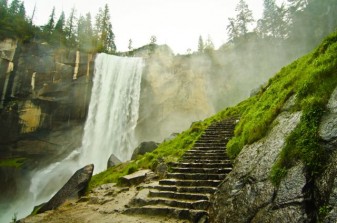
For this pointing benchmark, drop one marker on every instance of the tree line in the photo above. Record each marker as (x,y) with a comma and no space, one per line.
(79,32)
(300,22)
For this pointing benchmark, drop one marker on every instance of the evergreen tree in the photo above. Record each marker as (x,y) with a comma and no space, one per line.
(244,17)
(153,40)
(238,26)
(273,22)
(103,32)
(3,4)
(201,45)
(14,7)
(70,28)
(85,33)
(58,35)
(209,45)
(49,27)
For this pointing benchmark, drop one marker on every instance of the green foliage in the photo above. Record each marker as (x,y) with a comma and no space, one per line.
(13,162)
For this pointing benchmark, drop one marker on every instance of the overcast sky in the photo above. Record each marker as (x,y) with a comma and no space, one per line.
(178,23)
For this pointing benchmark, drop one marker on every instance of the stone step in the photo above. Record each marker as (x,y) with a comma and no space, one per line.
(179,196)
(203,153)
(209,148)
(190,183)
(194,204)
(186,189)
(222,164)
(221,145)
(161,210)
(204,161)
(196,176)
(196,159)
(202,170)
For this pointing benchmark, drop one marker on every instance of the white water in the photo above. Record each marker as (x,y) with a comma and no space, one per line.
(113,110)
(109,129)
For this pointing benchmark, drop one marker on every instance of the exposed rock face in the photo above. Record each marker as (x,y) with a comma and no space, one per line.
(75,187)
(144,147)
(247,194)
(113,161)
(327,183)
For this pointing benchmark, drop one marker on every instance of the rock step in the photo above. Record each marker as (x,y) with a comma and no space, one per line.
(161,210)
(222,164)
(206,152)
(194,205)
(204,161)
(205,149)
(198,144)
(179,196)
(205,156)
(202,170)
(190,183)
(217,140)
(209,148)
(186,189)
(197,159)
(196,176)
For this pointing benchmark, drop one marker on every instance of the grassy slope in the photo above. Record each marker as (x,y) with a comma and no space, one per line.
(311,78)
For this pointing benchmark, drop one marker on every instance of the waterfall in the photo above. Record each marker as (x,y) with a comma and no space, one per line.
(109,129)
(113,110)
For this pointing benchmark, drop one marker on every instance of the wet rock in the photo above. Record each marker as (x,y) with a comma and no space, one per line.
(144,147)
(75,187)
(113,161)
(135,178)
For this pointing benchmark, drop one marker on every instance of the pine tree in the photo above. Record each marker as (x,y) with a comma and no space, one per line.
(238,26)
(70,28)
(273,22)
(49,27)
(85,33)
(201,45)
(14,7)
(244,17)
(58,36)
(130,45)
(103,32)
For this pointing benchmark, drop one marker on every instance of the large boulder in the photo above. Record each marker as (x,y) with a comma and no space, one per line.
(74,188)
(113,161)
(144,147)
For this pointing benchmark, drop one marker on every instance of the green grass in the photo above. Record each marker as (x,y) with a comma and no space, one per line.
(13,162)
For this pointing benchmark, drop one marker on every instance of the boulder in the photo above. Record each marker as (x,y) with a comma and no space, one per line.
(144,147)
(75,187)
(113,161)
(135,178)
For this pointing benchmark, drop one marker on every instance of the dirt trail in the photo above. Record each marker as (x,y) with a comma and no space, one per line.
(104,204)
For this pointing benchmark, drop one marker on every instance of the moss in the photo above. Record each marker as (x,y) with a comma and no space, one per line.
(13,162)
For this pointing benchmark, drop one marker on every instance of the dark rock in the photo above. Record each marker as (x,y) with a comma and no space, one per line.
(144,147)
(75,187)
(113,161)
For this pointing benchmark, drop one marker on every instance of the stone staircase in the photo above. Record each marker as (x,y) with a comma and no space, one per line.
(186,192)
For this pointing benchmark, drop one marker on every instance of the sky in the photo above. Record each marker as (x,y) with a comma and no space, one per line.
(177,23)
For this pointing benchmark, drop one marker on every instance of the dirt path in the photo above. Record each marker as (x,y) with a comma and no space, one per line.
(103,205)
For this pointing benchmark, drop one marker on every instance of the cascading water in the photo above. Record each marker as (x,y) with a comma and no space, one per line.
(109,129)
(113,110)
